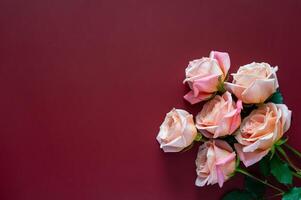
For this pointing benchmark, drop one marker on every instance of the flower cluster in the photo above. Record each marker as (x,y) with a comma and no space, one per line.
(239,121)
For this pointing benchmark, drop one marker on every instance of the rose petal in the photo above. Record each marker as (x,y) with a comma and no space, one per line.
(236,120)
(261,143)
(223,145)
(259,91)
(220,176)
(237,90)
(226,159)
(274,76)
(175,145)
(201,181)
(286,116)
(189,131)
(196,99)
(223,59)
(250,158)
(206,84)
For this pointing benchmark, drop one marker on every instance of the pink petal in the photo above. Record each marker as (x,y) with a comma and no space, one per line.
(259,91)
(201,181)
(286,116)
(176,145)
(206,131)
(230,121)
(250,158)
(236,119)
(206,84)
(196,99)
(262,143)
(274,76)
(223,145)
(223,60)
(237,90)
(226,159)
(220,176)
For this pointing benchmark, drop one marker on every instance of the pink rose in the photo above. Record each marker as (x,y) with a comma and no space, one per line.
(219,116)
(177,131)
(204,75)
(260,130)
(254,83)
(215,163)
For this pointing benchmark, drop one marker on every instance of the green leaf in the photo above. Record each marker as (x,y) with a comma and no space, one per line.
(281,170)
(264,165)
(293,194)
(256,188)
(238,195)
(276,98)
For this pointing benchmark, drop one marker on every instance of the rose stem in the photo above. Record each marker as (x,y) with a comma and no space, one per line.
(259,180)
(296,175)
(292,149)
(279,148)
(276,195)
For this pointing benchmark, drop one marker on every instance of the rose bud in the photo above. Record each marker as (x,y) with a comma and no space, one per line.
(205,75)
(177,131)
(215,163)
(219,116)
(254,83)
(260,130)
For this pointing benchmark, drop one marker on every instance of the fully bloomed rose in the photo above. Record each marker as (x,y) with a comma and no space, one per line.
(260,130)
(254,83)
(219,116)
(215,163)
(204,76)
(177,131)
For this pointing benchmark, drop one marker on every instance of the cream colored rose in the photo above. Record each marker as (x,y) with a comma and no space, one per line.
(254,83)
(204,76)
(177,131)
(215,163)
(219,116)
(260,130)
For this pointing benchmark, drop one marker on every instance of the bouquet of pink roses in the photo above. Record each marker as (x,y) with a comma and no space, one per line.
(241,121)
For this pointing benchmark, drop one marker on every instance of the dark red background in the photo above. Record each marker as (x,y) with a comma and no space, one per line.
(85,85)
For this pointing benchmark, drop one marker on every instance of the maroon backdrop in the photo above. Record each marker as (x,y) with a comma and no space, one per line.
(85,85)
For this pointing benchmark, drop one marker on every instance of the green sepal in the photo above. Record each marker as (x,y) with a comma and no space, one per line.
(281,142)
(221,86)
(198,137)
